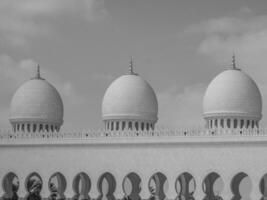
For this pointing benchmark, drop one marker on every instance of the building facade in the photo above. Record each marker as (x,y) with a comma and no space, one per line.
(131,158)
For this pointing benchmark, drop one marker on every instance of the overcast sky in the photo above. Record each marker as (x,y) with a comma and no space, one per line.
(82,45)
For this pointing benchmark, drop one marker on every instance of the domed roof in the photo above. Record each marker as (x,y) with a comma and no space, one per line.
(37,101)
(130,97)
(233,93)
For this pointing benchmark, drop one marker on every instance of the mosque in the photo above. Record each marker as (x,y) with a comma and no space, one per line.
(131,158)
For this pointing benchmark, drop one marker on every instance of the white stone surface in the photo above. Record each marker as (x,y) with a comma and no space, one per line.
(130,97)
(37,101)
(171,158)
(233,93)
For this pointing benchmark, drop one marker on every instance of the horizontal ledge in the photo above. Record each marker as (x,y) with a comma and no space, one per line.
(157,140)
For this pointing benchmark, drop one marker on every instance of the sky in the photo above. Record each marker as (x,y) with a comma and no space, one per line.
(178,46)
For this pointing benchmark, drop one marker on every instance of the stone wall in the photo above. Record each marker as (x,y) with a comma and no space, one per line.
(163,166)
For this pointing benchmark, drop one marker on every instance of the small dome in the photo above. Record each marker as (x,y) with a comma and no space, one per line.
(130,97)
(37,101)
(233,93)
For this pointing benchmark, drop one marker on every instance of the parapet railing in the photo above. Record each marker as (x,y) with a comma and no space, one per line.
(87,134)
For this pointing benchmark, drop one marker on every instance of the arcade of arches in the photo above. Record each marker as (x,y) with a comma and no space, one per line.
(185,186)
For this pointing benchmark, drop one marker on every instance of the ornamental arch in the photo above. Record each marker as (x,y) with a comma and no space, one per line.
(81,186)
(33,185)
(185,186)
(57,185)
(213,186)
(10,185)
(106,186)
(131,186)
(241,186)
(158,186)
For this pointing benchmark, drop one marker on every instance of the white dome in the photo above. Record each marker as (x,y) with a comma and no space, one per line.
(233,93)
(37,101)
(130,97)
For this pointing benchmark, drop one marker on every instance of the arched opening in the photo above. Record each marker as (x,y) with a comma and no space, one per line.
(28,127)
(41,127)
(112,124)
(57,186)
(216,123)
(213,186)
(263,187)
(185,186)
(147,126)
(52,128)
(136,126)
(158,186)
(123,125)
(22,127)
(235,123)
(117,126)
(248,123)
(33,184)
(252,125)
(222,123)
(81,186)
(241,186)
(152,126)
(228,123)
(242,123)
(34,128)
(10,186)
(131,186)
(142,126)
(106,186)
(46,127)
(130,126)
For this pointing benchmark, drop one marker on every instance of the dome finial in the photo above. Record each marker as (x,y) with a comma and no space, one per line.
(131,66)
(38,74)
(233,61)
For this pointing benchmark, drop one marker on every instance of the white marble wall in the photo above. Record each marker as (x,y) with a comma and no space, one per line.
(171,157)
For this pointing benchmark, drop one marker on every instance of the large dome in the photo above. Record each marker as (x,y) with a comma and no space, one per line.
(37,101)
(130,97)
(233,94)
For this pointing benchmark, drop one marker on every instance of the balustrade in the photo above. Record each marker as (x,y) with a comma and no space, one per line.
(197,132)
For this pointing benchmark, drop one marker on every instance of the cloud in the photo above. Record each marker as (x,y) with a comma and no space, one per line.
(12,74)
(103,77)
(10,69)
(20,20)
(69,94)
(229,25)
(181,107)
(246,36)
